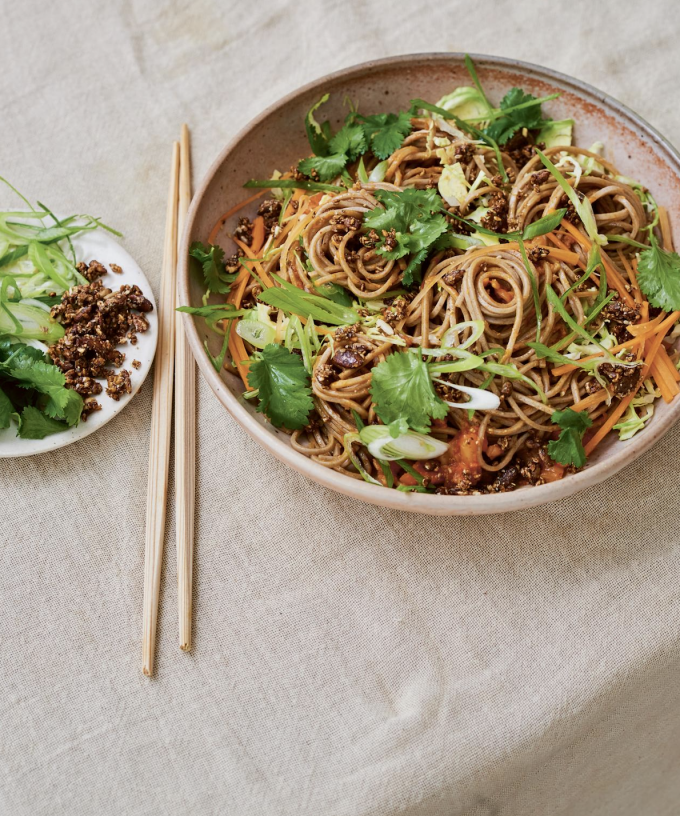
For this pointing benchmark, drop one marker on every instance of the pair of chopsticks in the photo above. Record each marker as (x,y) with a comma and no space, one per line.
(173,356)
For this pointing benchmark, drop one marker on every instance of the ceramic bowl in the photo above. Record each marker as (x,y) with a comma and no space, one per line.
(276,140)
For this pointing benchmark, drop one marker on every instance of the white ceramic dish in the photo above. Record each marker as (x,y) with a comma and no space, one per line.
(101,246)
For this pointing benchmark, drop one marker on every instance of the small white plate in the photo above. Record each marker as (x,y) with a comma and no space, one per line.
(99,245)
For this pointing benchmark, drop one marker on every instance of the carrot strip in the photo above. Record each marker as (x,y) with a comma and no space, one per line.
(264,277)
(567,256)
(632,277)
(661,329)
(590,401)
(637,329)
(221,220)
(665,361)
(613,275)
(661,378)
(257,235)
(239,355)
(665,225)
(654,344)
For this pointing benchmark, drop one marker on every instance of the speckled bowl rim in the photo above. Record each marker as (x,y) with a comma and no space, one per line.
(421,502)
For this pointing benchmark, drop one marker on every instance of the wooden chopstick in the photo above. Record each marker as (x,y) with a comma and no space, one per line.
(161,419)
(185,429)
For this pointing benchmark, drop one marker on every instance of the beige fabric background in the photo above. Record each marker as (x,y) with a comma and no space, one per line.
(349,661)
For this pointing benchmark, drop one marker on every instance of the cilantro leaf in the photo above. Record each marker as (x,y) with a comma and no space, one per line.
(568,449)
(385,132)
(217,279)
(325,167)
(504,127)
(33,424)
(6,409)
(659,276)
(417,223)
(62,402)
(403,394)
(350,140)
(283,386)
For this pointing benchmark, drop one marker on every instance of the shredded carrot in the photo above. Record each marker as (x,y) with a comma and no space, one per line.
(590,401)
(664,360)
(665,225)
(632,276)
(249,253)
(637,329)
(567,256)
(221,220)
(239,355)
(257,235)
(613,275)
(651,350)
(664,383)
(661,330)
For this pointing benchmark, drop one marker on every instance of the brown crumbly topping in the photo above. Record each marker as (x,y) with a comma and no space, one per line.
(370,240)
(96,319)
(115,268)
(623,379)
(118,383)
(463,153)
(395,312)
(520,148)
(345,334)
(92,271)
(89,407)
(270,210)
(496,218)
(450,393)
(618,316)
(390,240)
(325,375)
(506,480)
(539,177)
(538,253)
(348,222)
(451,278)
(136,364)
(244,231)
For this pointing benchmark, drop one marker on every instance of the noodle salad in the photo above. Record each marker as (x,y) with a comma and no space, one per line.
(453,298)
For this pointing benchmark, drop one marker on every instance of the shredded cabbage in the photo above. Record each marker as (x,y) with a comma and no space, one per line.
(466,102)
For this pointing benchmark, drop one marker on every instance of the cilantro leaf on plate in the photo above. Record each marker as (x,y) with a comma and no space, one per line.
(568,449)
(62,403)
(217,279)
(403,394)
(33,424)
(283,386)
(658,276)
(417,223)
(385,132)
(504,127)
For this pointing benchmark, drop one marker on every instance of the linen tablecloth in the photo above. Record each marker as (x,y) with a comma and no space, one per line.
(348,660)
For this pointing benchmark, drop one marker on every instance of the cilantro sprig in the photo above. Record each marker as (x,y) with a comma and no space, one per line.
(33,392)
(568,449)
(380,134)
(217,279)
(403,393)
(282,383)
(410,224)
(518,110)
(658,275)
